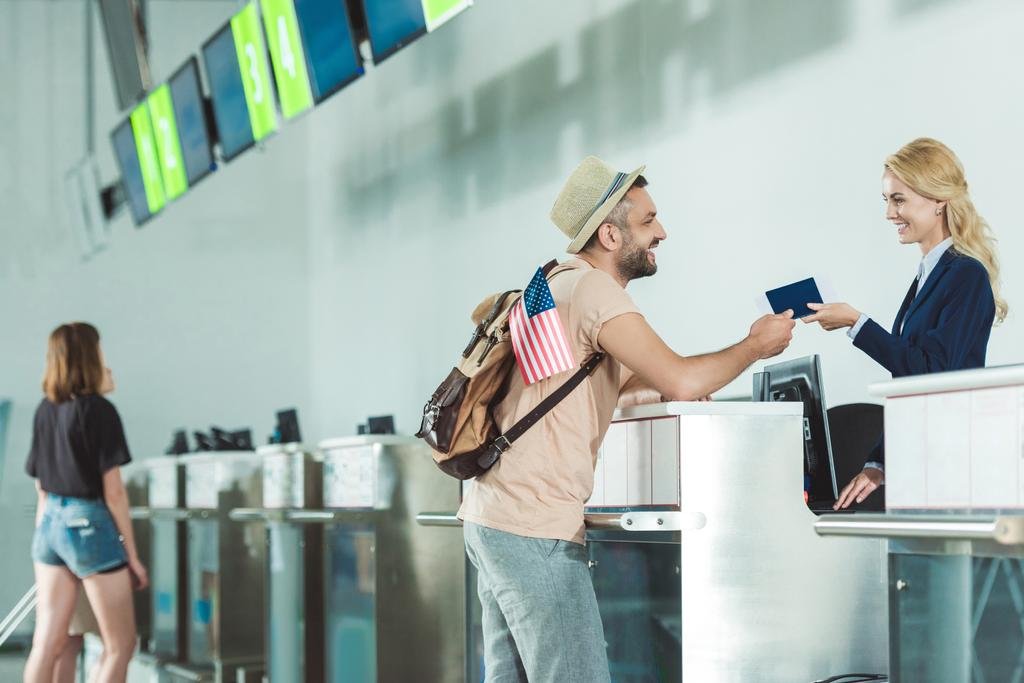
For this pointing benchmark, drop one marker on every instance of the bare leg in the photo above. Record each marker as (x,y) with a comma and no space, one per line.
(110,596)
(57,590)
(67,662)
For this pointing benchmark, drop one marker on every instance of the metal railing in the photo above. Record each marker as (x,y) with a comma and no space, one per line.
(666,520)
(1008,530)
(17,615)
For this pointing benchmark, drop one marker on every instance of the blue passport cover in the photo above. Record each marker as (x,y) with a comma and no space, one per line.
(795,296)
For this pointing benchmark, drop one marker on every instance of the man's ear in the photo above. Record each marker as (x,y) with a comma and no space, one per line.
(609,236)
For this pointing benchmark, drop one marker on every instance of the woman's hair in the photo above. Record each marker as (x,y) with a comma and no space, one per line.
(73,363)
(932,170)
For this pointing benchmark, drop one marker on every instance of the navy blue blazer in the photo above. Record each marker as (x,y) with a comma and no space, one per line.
(945,327)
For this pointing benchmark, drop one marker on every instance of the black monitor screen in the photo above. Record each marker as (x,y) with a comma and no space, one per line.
(127,155)
(227,92)
(330,51)
(800,380)
(187,97)
(393,24)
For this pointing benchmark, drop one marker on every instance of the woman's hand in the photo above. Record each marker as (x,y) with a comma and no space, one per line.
(140,577)
(860,487)
(833,316)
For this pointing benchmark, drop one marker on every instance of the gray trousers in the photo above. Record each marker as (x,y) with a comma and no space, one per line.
(540,617)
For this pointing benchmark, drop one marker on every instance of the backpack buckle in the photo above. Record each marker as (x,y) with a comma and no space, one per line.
(493,452)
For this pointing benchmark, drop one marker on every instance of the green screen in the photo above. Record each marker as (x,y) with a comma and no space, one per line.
(245,27)
(165,131)
(287,55)
(149,163)
(439,11)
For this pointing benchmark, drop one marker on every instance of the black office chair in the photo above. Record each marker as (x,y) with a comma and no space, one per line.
(854,429)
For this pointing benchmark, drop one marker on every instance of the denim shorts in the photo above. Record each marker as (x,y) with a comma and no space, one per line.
(80,534)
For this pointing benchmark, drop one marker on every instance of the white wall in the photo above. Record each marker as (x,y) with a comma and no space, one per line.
(203,311)
(335,270)
(763,126)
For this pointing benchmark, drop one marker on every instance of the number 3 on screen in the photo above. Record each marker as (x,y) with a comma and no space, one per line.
(254,74)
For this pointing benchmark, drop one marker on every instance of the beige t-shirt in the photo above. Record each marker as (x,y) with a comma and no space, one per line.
(538,487)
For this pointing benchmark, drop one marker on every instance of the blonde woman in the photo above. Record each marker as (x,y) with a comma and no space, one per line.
(947,315)
(83,536)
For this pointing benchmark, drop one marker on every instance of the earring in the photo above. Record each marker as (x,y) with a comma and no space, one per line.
(938,212)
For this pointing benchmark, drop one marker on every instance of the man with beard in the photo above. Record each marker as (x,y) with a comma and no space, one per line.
(524,517)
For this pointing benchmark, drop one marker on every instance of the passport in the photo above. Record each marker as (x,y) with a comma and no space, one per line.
(795,296)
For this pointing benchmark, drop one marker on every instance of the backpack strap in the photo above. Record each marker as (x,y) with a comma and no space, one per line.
(504,442)
(478,333)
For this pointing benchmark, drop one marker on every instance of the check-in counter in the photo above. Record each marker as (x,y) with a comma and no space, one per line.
(704,556)
(392,593)
(292,484)
(156,493)
(136,483)
(226,564)
(168,573)
(954,523)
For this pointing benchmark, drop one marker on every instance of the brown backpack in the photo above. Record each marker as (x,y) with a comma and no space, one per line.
(458,420)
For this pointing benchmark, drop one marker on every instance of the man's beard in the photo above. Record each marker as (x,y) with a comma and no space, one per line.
(633,263)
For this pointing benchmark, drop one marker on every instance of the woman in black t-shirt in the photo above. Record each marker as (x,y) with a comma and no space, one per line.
(83,534)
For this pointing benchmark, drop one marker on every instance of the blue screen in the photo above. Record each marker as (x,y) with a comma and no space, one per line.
(227,93)
(393,24)
(127,155)
(188,113)
(330,52)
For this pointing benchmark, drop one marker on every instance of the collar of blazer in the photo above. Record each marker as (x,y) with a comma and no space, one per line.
(933,278)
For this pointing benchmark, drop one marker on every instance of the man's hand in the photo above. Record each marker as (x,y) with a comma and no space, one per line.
(859,488)
(833,316)
(771,334)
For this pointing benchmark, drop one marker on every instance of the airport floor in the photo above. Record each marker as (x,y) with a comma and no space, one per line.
(12,664)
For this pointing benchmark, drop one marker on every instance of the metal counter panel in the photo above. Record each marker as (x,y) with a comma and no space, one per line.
(394,590)
(763,597)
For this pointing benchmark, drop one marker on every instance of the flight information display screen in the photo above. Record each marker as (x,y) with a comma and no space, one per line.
(240,87)
(165,134)
(135,151)
(189,114)
(331,53)
(393,24)
(287,56)
(438,12)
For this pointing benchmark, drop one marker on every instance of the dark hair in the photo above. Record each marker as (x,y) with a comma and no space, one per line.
(617,216)
(73,363)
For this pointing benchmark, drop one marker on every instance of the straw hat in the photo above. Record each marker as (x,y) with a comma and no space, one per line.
(586,199)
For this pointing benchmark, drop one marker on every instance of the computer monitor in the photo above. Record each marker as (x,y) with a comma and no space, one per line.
(288,426)
(240,86)
(190,114)
(800,380)
(331,53)
(393,24)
